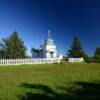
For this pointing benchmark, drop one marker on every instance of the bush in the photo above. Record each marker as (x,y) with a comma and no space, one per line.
(90,60)
(96,59)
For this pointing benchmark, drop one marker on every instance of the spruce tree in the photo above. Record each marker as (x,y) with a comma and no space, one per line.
(97,55)
(76,50)
(13,47)
(2,53)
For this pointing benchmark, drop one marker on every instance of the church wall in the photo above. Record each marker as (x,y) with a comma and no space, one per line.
(51,48)
(55,54)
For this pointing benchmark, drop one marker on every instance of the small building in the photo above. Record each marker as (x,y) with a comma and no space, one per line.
(47,49)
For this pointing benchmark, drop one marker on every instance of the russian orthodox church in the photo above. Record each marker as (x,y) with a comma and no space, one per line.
(47,49)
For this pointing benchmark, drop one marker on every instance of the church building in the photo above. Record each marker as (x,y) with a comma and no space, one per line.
(47,49)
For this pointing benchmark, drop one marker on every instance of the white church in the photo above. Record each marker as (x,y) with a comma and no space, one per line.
(47,49)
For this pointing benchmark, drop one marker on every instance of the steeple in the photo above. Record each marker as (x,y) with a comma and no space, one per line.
(49,40)
(42,42)
(49,35)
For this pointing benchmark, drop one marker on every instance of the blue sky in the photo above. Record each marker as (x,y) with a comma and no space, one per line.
(64,18)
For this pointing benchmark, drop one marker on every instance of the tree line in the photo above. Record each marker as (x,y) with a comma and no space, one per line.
(13,47)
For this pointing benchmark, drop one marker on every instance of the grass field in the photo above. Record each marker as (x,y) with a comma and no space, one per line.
(50,82)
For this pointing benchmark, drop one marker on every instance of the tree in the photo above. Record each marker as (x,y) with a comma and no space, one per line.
(13,47)
(97,55)
(76,50)
(2,53)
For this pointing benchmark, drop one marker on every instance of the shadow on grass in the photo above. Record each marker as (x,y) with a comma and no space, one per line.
(79,91)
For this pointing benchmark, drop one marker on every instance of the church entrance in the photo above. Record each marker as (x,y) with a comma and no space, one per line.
(51,54)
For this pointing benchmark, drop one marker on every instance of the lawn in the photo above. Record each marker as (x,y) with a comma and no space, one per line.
(50,82)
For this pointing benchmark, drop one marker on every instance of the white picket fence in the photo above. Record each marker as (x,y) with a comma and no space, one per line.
(29,61)
(74,60)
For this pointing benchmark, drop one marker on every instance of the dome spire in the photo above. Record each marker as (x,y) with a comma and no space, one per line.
(49,35)
(49,40)
(42,42)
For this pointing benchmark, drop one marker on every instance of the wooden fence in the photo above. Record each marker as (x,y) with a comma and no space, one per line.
(29,61)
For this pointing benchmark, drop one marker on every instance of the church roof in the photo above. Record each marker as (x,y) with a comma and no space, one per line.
(36,50)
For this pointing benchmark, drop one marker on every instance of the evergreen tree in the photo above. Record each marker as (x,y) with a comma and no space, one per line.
(76,50)
(13,47)
(2,53)
(97,55)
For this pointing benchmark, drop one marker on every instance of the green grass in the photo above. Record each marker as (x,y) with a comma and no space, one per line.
(50,82)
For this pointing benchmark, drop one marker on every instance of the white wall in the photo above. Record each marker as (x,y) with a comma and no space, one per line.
(51,48)
(73,60)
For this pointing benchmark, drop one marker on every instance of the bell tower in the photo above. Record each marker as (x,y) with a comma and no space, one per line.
(51,50)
